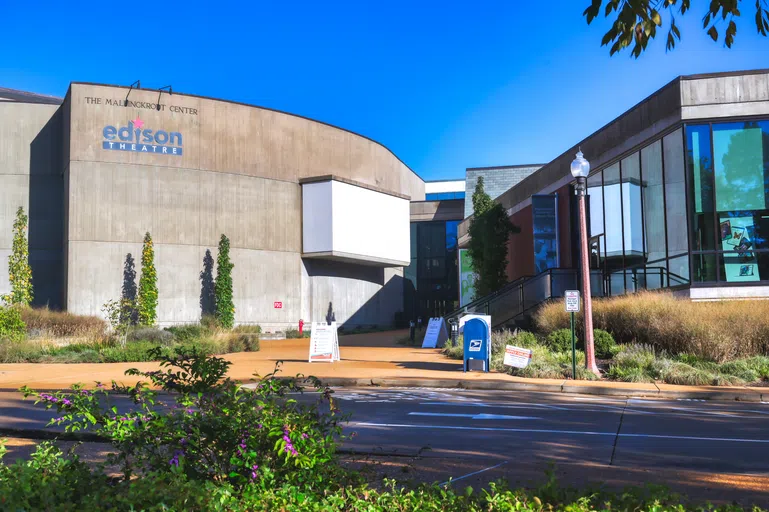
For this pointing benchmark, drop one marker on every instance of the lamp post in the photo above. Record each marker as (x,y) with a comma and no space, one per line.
(580,168)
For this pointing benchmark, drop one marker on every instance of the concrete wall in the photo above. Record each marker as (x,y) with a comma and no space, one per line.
(238,174)
(448,209)
(31,177)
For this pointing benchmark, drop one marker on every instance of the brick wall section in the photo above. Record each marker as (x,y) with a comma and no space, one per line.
(496,180)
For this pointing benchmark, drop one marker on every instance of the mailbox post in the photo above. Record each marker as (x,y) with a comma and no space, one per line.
(572,306)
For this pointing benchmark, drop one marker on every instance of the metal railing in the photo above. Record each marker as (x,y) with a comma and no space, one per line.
(519,298)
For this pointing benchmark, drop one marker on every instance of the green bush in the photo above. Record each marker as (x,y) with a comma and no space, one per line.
(152,334)
(12,327)
(188,332)
(605,346)
(247,329)
(560,340)
(704,329)
(222,448)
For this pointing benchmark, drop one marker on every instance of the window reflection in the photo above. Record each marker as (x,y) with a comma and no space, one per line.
(730,206)
(653,201)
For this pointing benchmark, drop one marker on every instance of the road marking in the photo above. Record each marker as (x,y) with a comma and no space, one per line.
(474,416)
(516,405)
(447,482)
(548,431)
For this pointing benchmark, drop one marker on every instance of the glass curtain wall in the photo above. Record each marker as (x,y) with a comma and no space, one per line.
(638,224)
(432,278)
(729,190)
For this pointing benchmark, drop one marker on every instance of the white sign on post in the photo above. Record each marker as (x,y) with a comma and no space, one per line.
(572,301)
(324,343)
(436,334)
(517,357)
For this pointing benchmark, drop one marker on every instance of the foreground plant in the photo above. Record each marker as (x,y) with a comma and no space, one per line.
(213,429)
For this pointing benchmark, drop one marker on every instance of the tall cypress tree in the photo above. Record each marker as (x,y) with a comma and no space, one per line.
(19,271)
(148,285)
(489,231)
(225,307)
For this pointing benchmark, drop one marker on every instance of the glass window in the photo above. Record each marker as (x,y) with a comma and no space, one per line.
(739,162)
(675,194)
(653,202)
(700,164)
(612,202)
(744,268)
(703,268)
(595,203)
(678,270)
(442,196)
(631,210)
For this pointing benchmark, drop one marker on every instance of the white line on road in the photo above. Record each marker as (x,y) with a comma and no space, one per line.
(516,405)
(474,416)
(548,431)
(447,482)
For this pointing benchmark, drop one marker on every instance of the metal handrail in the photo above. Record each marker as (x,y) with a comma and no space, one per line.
(519,286)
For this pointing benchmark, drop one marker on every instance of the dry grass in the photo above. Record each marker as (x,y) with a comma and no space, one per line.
(45,322)
(719,331)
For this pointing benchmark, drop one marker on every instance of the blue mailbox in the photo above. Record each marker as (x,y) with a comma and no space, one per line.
(477,343)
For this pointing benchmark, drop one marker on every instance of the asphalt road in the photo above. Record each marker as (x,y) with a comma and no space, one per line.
(710,450)
(514,426)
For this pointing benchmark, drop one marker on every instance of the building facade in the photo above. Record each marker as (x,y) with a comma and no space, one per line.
(496,180)
(317,216)
(677,195)
(432,277)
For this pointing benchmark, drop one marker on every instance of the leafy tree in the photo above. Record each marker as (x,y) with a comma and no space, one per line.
(225,307)
(489,231)
(636,21)
(148,285)
(19,271)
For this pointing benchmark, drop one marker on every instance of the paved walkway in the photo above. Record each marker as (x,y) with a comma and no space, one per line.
(367,359)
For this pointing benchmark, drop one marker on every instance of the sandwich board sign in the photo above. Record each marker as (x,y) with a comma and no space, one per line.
(436,334)
(517,357)
(324,343)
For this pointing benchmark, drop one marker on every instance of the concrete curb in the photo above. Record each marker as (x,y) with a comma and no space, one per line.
(741,394)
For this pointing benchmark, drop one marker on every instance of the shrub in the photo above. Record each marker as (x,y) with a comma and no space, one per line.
(217,432)
(638,363)
(188,332)
(703,329)
(225,307)
(12,327)
(560,340)
(19,270)
(604,344)
(63,324)
(152,334)
(293,334)
(147,300)
(248,329)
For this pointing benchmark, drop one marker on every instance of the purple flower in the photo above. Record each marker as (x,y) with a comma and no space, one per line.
(190,410)
(60,418)
(253,471)
(99,385)
(304,436)
(183,441)
(175,459)
(260,426)
(85,392)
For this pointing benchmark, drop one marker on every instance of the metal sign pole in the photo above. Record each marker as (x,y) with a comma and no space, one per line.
(573,351)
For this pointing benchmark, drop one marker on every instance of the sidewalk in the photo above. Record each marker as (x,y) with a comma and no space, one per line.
(367,359)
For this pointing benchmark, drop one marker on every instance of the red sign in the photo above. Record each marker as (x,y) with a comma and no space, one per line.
(277,305)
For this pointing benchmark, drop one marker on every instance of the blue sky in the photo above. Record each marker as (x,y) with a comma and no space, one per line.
(444,85)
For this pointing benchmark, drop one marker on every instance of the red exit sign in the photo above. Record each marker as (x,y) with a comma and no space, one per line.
(277,305)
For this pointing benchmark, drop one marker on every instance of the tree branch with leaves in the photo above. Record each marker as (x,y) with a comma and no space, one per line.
(636,21)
